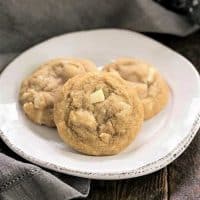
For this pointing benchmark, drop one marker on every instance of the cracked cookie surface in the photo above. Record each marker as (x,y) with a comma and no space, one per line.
(96,115)
(38,91)
(146,80)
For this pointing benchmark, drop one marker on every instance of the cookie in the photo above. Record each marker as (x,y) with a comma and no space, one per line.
(38,92)
(146,80)
(96,115)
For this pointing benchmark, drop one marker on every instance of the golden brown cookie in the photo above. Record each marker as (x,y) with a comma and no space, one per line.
(96,115)
(39,91)
(151,87)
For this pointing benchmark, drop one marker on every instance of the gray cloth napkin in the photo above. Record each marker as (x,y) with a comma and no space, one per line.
(20,181)
(26,22)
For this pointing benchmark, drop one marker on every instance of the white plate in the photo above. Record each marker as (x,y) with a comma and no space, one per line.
(161,140)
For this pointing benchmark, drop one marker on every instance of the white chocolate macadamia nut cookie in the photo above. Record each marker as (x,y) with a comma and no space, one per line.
(96,115)
(146,80)
(38,91)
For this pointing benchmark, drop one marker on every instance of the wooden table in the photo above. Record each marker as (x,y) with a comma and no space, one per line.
(178,181)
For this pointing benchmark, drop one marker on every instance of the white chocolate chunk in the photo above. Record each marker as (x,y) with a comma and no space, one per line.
(39,101)
(97,96)
(105,137)
(141,88)
(151,74)
(83,118)
(39,117)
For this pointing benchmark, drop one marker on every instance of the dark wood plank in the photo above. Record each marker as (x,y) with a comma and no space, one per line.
(153,186)
(184,174)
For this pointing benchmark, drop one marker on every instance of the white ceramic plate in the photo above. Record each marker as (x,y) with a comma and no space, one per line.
(161,140)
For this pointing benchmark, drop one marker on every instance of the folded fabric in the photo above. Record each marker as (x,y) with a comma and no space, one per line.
(25,23)
(25,181)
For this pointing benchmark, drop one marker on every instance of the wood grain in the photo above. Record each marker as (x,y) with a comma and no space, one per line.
(153,186)
(184,174)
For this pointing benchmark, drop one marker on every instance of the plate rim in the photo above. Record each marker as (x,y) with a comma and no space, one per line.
(141,171)
(146,169)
